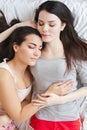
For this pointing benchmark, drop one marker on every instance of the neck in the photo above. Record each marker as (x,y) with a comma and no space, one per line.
(53,50)
(17,67)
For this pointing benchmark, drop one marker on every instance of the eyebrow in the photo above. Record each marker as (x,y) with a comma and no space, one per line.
(34,44)
(48,21)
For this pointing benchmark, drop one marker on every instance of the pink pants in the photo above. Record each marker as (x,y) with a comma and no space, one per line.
(8,126)
(38,124)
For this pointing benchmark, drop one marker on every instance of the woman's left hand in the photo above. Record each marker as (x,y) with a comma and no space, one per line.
(50,99)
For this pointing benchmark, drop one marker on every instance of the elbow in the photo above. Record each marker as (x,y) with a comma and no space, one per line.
(16,117)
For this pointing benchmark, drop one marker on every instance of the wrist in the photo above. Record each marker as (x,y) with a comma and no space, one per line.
(16,25)
(62,100)
(65,99)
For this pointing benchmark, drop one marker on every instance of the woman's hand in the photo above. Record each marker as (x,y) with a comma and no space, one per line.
(26,23)
(53,95)
(60,88)
(50,99)
(38,103)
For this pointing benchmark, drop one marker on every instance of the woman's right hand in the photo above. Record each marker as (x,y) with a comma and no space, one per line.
(26,23)
(60,88)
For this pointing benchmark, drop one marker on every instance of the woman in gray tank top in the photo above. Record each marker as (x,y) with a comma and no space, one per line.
(64,57)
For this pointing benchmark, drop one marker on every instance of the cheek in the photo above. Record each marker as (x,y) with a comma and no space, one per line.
(39,28)
(39,54)
(56,32)
(25,53)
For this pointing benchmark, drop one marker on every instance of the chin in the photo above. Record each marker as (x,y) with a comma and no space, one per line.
(46,40)
(32,64)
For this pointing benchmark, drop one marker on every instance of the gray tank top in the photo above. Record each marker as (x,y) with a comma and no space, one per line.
(48,71)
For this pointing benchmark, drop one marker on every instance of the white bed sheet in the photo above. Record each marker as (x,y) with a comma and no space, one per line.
(24,10)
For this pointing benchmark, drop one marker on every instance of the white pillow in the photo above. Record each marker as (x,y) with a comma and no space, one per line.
(21,9)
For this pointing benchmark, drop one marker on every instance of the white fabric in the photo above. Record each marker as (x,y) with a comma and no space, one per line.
(24,10)
(21,9)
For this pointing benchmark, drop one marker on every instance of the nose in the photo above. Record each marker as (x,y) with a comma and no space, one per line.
(45,28)
(37,53)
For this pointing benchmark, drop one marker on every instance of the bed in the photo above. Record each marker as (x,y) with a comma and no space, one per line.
(25,9)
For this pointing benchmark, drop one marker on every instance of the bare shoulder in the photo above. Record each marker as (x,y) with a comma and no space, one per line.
(5,78)
(4,73)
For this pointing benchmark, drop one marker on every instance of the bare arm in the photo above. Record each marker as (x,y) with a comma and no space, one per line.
(7,32)
(10,101)
(53,99)
(80,93)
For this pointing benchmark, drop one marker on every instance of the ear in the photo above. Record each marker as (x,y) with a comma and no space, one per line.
(63,26)
(15,47)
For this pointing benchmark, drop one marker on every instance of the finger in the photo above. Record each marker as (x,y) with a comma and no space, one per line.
(68,84)
(42,97)
(58,83)
(38,101)
(39,105)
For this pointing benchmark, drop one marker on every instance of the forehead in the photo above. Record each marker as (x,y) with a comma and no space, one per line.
(33,38)
(44,15)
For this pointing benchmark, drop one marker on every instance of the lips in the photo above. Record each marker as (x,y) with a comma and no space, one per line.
(34,59)
(45,35)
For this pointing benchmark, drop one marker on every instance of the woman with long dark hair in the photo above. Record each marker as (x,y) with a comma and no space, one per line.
(22,50)
(63,57)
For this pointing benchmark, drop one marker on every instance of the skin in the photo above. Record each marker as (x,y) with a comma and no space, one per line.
(50,26)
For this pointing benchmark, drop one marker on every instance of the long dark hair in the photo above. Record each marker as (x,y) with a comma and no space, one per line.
(17,36)
(3,23)
(74,47)
(4,49)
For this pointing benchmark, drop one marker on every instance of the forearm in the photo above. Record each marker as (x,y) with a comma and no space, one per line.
(7,32)
(27,112)
(80,93)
